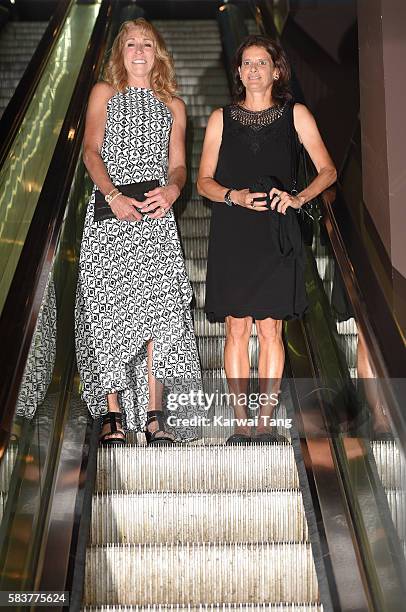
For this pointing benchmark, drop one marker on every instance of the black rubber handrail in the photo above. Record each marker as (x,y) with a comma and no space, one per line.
(15,110)
(26,291)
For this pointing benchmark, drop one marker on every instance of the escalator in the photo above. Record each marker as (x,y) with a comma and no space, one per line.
(199,525)
(202,512)
(18,41)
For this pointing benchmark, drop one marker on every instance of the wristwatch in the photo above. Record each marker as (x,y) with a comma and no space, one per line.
(227,198)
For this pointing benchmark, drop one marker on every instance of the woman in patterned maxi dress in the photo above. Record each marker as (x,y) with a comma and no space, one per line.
(133,324)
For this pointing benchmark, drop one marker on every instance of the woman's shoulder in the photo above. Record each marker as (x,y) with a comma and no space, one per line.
(216,119)
(300,111)
(103,91)
(177,105)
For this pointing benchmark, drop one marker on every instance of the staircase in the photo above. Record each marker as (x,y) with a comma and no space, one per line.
(203,525)
(18,42)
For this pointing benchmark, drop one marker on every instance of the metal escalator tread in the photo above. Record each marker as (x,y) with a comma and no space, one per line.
(18,42)
(208,608)
(201,526)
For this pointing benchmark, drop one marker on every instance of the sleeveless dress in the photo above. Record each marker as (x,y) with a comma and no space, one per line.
(255,259)
(132,284)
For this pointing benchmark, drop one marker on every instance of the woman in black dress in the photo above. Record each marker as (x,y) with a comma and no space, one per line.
(252,274)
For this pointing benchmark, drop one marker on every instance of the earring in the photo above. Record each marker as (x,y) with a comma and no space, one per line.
(276,77)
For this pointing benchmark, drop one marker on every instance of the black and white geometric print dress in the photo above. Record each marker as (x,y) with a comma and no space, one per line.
(132,284)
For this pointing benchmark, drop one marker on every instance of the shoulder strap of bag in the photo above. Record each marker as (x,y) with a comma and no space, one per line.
(295,148)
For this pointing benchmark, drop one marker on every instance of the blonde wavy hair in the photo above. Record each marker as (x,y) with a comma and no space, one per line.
(163,80)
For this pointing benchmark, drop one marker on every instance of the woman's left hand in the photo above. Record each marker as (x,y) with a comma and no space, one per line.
(281,200)
(159,201)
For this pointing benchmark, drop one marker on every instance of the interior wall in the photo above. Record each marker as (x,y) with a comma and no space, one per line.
(382,57)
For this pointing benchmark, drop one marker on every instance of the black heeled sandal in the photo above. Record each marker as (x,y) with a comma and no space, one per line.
(152,437)
(112,418)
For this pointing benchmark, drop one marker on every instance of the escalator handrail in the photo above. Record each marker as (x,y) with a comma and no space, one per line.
(20,312)
(362,319)
(15,110)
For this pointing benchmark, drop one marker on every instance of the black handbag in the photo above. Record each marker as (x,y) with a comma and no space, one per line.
(103,211)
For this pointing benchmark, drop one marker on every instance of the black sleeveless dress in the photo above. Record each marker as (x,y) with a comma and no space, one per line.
(255,259)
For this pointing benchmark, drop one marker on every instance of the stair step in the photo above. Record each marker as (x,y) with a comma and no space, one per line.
(197,228)
(190,89)
(190,63)
(6,467)
(240,607)
(276,516)
(200,573)
(199,293)
(213,82)
(195,248)
(186,469)
(196,269)
(196,208)
(281,607)
(397,504)
(211,351)
(390,463)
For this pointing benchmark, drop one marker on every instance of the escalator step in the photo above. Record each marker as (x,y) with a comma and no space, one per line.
(282,607)
(390,465)
(190,468)
(197,228)
(200,573)
(18,41)
(270,516)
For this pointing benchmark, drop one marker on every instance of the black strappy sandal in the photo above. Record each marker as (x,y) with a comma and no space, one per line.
(112,418)
(152,437)
(272,437)
(239,439)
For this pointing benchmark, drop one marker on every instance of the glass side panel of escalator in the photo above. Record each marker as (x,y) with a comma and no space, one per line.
(24,171)
(372,449)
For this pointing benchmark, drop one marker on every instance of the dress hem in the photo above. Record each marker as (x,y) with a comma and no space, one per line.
(216,316)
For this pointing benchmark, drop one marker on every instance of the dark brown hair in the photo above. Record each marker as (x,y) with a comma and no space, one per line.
(280,88)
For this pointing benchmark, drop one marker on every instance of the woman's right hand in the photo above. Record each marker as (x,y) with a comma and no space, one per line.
(125,208)
(243,197)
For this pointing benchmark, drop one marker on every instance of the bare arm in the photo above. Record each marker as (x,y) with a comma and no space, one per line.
(94,133)
(122,207)
(309,135)
(164,197)
(206,185)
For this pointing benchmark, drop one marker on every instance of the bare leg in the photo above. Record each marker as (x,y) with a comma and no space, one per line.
(113,406)
(237,365)
(371,384)
(155,394)
(270,367)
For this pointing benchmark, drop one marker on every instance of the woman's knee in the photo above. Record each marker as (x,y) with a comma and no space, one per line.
(269,330)
(238,329)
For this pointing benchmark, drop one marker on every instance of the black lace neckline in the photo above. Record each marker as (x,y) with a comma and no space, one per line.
(257,119)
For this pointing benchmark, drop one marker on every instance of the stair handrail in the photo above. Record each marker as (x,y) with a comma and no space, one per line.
(15,110)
